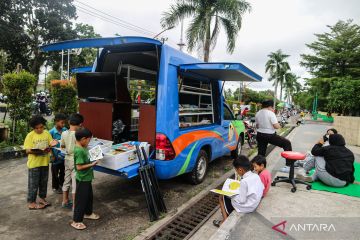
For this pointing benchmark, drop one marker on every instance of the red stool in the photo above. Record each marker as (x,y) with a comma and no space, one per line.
(291,157)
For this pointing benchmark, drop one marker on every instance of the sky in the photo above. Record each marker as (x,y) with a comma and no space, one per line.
(271,25)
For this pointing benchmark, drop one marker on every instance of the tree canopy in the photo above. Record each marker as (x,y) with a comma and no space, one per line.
(277,67)
(335,53)
(207,18)
(335,68)
(30,23)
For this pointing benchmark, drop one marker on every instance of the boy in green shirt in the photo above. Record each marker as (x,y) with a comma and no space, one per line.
(37,145)
(84,176)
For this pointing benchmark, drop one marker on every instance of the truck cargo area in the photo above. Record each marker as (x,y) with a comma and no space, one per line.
(118,100)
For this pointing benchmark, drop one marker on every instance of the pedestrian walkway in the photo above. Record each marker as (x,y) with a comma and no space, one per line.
(281,205)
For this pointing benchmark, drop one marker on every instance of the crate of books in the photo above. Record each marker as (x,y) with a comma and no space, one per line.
(121,155)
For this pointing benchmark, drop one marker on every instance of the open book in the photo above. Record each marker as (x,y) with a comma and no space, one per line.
(95,153)
(62,150)
(230,188)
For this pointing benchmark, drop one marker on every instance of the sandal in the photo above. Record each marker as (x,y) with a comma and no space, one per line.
(78,225)
(37,207)
(217,223)
(67,205)
(92,216)
(45,203)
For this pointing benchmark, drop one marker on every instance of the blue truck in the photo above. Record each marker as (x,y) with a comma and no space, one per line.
(160,95)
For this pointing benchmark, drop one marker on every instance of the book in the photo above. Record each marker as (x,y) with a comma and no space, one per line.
(62,150)
(95,153)
(39,149)
(230,188)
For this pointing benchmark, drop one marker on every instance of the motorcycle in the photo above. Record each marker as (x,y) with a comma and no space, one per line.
(37,111)
(283,121)
(250,135)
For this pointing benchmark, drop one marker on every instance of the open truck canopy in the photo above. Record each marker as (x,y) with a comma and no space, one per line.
(216,71)
(96,43)
(221,71)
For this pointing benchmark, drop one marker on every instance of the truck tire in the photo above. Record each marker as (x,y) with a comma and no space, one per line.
(199,171)
(238,150)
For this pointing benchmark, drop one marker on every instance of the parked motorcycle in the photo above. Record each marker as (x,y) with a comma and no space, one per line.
(37,111)
(283,121)
(250,135)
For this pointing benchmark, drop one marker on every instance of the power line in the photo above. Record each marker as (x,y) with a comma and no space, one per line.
(115,20)
(107,19)
(123,22)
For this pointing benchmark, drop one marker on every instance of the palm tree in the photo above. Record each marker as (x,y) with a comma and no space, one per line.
(292,86)
(207,18)
(277,67)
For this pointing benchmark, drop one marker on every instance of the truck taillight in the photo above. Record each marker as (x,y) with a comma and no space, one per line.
(164,149)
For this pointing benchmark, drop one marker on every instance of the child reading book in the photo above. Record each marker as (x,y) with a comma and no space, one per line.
(250,191)
(37,145)
(68,142)
(57,159)
(259,165)
(84,176)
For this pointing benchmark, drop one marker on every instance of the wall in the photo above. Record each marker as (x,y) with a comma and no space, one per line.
(349,127)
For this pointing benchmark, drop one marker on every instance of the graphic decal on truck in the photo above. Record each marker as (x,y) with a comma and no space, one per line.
(183,141)
(187,161)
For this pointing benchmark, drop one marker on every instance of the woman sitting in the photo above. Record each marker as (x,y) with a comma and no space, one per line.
(334,164)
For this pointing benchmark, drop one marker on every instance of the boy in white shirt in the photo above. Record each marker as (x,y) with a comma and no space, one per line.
(250,191)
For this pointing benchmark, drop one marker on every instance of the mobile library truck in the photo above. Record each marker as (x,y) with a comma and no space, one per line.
(140,89)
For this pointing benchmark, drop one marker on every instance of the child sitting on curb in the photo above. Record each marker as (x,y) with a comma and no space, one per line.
(250,191)
(259,165)
(84,176)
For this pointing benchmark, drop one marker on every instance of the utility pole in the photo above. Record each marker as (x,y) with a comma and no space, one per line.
(62,64)
(239,98)
(276,85)
(181,44)
(45,76)
(68,66)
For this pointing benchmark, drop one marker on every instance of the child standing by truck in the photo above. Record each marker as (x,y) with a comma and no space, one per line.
(84,176)
(68,142)
(57,159)
(37,145)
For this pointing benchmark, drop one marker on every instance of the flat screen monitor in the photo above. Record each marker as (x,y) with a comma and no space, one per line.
(96,85)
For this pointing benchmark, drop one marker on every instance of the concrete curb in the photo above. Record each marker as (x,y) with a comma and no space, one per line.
(234,218)
(225,230)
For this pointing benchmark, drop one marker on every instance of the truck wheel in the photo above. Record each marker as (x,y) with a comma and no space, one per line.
(199,171)
(238,150)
